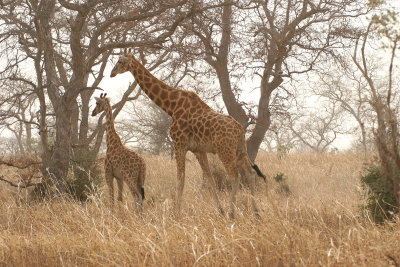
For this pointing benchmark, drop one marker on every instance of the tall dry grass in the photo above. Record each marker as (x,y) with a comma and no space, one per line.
(318,224)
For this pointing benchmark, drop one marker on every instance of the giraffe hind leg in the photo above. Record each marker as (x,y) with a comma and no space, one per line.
(109,180)
(135,191)
(231,169)
(180,157)
(202,159)
(120,183)
(250,174)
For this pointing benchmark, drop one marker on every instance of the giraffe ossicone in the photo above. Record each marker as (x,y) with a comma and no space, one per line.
(197,128)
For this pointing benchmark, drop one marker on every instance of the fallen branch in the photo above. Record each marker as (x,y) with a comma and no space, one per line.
(17,185)
(19,167)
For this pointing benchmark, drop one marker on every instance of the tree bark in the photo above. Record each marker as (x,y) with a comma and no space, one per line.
(59,163)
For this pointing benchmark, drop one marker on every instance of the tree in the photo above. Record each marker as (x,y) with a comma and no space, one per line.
(383,96)
(344,86)
(318,129)
(68,43)
(272,40)
(16,114)
(148,127)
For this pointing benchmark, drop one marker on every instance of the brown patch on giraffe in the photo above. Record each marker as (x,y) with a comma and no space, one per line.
(186,105)
(174,95)
(178,114)
(156,89)
(164,95)
(182,124)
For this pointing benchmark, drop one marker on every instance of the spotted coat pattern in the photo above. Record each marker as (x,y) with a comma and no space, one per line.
(197,128)
(121,163)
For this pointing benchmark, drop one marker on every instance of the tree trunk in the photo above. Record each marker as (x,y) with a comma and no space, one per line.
(18,134)
(233,107)
(28,129)
(59,164)
(74,122)
(262,124)
(84,125)
(364,139)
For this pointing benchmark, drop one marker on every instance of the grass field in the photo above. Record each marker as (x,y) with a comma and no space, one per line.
(319,224)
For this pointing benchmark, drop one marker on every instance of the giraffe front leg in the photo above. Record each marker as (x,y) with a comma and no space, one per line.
(180,156)
(120,183)
(109,180)
(202,159)
(232,171)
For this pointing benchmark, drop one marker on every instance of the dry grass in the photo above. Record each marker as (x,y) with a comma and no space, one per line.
(318,224)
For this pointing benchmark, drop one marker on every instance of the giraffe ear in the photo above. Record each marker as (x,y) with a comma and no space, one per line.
(97,99)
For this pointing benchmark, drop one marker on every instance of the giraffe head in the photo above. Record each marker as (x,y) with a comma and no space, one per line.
(101,103)
(122,64)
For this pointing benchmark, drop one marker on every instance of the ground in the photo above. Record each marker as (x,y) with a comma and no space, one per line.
(319,223)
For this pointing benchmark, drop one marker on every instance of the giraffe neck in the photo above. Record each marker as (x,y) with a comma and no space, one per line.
(112,136)
(161,94)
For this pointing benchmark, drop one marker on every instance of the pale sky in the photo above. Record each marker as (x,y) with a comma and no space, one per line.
(114,87)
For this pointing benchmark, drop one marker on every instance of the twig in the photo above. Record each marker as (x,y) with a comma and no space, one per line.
(90,88)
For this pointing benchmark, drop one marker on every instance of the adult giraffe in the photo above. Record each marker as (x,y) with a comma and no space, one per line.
(196,128)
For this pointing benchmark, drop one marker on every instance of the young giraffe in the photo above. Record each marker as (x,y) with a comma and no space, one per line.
(196,128)
(121,163)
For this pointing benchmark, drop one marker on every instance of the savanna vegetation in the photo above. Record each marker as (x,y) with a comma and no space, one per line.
(313,82)
(319,223)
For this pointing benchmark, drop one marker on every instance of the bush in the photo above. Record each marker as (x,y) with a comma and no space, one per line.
(85,175)
(381,199)
(283,187)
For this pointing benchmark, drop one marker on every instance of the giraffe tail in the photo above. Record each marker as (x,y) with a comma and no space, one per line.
(242,153)
(258,171)
(142,192)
